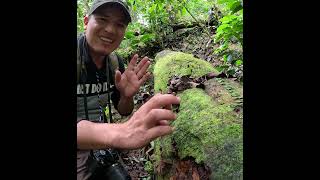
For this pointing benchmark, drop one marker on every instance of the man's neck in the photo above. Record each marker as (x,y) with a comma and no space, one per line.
(98,61)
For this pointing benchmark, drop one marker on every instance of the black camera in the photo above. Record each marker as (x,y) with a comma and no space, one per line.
(107,166)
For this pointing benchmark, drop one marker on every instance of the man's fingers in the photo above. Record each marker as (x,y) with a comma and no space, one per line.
(158,131)
(163,123)
(133,62)
(117,78)
(142,70)
(161,100)
(156,115)
(141,64)
(144,78)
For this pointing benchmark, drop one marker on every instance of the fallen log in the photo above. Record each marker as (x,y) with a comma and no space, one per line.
(207,141)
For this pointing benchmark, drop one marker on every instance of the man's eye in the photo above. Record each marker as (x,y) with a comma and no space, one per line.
(120,25)
(101,19)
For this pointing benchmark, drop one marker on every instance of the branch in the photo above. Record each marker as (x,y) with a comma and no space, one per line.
(200,24)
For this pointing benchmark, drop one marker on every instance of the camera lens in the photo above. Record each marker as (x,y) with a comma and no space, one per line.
(102,152)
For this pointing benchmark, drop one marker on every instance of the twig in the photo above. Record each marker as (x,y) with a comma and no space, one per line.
(205,29)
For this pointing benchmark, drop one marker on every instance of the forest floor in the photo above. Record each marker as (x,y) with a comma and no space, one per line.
(189,40)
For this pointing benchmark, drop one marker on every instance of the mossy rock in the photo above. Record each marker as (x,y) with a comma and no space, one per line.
(170,63)
(208,124)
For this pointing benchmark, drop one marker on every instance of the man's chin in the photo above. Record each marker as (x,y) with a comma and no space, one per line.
(105,52)
(104,49)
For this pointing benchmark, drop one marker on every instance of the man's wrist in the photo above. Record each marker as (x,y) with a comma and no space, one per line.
(125,106)
(126,98)
(118,137)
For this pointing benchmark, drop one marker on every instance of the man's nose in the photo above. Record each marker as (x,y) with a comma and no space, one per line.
(110,28)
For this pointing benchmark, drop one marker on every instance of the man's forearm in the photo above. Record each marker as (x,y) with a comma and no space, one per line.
(125,106)
(92,135)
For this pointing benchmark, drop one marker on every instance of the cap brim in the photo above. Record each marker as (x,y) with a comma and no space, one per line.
(126,11)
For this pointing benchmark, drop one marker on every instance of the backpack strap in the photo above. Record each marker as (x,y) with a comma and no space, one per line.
(78,64)
(81,74)
(114,63)
(81,68)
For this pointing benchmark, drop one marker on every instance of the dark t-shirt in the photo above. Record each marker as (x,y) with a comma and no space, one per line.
(93,88)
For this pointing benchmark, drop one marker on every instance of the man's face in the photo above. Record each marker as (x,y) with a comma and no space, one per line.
(105,29)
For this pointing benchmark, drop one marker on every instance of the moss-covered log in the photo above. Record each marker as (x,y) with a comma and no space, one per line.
(207,142)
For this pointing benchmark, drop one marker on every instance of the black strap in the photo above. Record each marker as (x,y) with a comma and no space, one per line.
(85,99)
(108,85)
(83,76)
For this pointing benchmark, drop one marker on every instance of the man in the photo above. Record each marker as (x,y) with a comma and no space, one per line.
(105,27)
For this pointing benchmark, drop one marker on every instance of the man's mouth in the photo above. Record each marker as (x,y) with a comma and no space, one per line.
(107,40)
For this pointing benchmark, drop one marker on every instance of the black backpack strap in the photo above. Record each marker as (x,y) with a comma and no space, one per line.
(108,85)
(82,73)
(85,96)
(112,64)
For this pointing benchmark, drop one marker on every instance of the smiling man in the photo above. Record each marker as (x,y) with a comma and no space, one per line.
(100,82)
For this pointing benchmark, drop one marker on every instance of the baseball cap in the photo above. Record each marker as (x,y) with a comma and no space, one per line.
(98,3)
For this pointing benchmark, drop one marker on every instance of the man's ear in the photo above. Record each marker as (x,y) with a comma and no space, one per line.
(85,20)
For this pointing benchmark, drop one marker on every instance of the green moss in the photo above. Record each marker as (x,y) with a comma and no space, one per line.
(163,149)
(207,127)
(207,132)
(157,152)
(148,166)
(203,126)
(178,63)
(166,145)
(188,146)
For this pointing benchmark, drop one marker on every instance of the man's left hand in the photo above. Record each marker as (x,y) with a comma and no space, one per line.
(133,77)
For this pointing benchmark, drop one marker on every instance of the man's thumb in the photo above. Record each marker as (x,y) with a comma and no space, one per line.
(117,77)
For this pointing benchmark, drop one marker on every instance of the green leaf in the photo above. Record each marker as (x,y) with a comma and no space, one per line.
(183,11)
(222,68)
(228,18)
(234,6)
(239,62)
(129,35)
(141,44)
(231,72)
(147,37)
(152,9)
(223,27)
(225,58)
